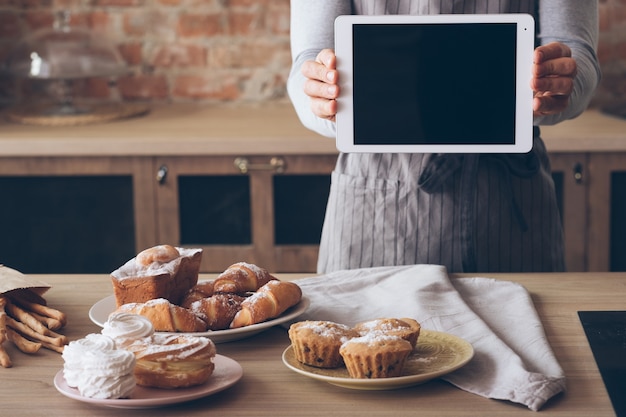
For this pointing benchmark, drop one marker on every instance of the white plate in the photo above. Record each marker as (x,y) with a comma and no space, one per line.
(435,355)
(100,311)
(227,372)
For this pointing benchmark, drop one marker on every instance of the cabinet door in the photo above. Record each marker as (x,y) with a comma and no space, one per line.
(300,197)
(73,215)
(227,206)
(607,212)
(571,178)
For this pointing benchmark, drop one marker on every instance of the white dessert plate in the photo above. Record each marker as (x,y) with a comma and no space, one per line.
(435,355)
(227,372)
(100,311)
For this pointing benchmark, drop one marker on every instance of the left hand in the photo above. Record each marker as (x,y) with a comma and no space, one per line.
(553,73)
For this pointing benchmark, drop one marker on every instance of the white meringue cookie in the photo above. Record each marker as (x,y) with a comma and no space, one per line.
(126,328)
(97,368)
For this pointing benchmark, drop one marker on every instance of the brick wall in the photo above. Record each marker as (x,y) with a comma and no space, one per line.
(612,56)
(177,50)
(220,50)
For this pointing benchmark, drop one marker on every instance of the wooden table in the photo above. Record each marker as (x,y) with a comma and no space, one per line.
(269,388)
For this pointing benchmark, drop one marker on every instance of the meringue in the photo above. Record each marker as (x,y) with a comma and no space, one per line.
(127,328)
(98,369)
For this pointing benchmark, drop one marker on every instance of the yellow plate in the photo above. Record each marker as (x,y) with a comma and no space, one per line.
(435,355)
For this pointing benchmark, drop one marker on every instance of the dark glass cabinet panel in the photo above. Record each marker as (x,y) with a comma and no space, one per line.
(299,208)
(66,224)
(215,210)
(618,221)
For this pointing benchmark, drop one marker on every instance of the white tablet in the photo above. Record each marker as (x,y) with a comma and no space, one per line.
(440,83)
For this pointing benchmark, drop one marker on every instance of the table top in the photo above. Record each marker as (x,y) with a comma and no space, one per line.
(269,388)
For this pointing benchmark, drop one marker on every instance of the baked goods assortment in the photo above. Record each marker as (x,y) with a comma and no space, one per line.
(29,324)
(151,284)
(373,349)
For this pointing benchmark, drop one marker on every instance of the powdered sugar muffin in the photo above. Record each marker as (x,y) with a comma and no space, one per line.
(407,328)
(317,343)
(375,355)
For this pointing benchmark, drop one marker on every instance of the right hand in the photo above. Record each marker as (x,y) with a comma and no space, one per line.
(321,84)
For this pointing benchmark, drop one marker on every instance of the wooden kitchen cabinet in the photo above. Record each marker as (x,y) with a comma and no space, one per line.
(74,215)
(591,188)
(233,211)
(245,184)
(588,157)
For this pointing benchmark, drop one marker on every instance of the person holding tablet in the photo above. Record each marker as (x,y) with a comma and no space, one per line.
(468,212)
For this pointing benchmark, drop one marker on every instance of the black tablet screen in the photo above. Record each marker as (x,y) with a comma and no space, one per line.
(451,83)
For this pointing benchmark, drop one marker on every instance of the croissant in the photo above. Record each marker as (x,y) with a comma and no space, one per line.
(203,289)
(270,301)
(242,277)
(165,316)
(218,310)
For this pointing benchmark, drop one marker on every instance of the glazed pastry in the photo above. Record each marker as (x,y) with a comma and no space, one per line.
(270,301)
(165,316)
(173,361)
(242,277)
(203,289)
(219,310)
(153,273)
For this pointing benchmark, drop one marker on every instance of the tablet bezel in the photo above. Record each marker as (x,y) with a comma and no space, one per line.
(524,95)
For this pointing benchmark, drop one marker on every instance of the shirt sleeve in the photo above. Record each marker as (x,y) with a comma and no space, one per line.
(312,29)
(574,23)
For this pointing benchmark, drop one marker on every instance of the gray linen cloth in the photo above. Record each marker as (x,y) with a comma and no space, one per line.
(512,361)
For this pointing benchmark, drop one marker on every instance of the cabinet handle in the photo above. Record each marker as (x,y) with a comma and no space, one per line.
(276,164)
(578,173)
(161,174)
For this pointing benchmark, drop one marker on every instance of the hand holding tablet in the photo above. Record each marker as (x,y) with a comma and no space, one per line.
(437,83)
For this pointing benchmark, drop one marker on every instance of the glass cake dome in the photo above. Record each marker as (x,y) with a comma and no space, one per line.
(64,53)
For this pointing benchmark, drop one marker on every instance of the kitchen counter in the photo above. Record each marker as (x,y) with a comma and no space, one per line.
(269,388)
(173,130)
(270,128)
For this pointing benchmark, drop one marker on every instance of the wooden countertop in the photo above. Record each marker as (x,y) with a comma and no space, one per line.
(270,128)
(174,130)
(269,388)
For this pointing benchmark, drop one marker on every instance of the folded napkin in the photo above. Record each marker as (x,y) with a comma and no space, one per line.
(512,358)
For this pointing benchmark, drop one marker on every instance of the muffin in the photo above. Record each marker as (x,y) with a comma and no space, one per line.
(406,328)
(317,343)
(375,355)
